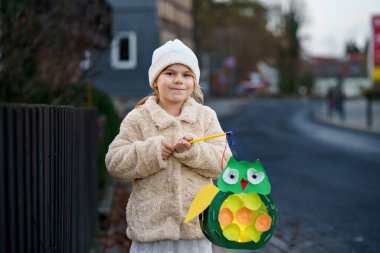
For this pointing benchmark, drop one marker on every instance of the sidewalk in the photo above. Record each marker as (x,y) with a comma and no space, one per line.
(355,119)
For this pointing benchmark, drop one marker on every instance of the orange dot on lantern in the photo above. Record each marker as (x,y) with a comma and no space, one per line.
(225,217)
(244,216)
(263,222)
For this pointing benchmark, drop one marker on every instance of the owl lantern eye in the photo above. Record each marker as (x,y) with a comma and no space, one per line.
(254,176)
(231,176)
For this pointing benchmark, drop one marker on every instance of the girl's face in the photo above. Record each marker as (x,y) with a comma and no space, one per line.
(175,84)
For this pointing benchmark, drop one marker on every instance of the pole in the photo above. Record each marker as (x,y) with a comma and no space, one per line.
(369,109)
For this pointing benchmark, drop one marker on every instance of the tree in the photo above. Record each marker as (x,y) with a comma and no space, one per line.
(289,50)
(352,48)
(237,28)
(42,44)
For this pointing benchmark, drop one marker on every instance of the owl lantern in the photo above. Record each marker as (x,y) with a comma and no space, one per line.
(239,213)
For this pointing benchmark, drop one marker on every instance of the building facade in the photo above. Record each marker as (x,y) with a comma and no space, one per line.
(328,71)
(176,20)
(139,27)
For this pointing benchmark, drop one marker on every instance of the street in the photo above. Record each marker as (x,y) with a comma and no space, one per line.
(325,180)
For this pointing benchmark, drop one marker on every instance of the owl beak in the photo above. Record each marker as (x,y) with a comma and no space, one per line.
(243,183)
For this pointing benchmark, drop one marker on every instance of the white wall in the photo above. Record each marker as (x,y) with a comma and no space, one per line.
(351,86)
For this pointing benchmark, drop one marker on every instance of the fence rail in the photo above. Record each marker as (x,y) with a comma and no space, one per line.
(48,178)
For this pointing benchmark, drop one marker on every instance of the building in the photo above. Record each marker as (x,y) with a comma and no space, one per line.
(328,71)
(138,27)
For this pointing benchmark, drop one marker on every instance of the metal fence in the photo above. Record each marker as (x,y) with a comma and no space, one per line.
(48,178)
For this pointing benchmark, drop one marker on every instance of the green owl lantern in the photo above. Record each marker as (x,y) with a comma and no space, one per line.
(239,213)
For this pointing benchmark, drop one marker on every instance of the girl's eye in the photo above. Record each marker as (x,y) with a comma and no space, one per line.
(188,75)
(254,176)
(231,176)
(169,73)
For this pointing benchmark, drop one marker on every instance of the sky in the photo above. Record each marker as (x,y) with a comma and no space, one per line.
(329,24)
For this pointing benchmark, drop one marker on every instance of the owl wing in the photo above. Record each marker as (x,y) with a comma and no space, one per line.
(201,201)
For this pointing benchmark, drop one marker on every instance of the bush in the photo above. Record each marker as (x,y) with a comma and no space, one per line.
(112,120)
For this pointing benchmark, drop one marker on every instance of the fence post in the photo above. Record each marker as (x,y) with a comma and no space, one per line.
(3,230)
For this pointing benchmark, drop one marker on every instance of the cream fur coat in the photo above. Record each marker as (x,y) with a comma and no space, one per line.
(164,189)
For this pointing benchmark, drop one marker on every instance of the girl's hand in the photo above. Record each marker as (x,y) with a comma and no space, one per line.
(166,150)
(183,144)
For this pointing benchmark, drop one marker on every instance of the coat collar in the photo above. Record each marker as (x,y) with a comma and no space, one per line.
(162,119)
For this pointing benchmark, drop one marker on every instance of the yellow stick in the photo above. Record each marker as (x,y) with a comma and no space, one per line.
(207,137)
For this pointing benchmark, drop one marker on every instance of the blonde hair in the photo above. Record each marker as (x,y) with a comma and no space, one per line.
(197,94)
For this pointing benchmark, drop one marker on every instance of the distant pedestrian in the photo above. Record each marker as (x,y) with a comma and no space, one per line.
(153,150)
(331,102)
(339,98)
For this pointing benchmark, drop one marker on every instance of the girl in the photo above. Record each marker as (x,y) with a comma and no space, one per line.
(153,150)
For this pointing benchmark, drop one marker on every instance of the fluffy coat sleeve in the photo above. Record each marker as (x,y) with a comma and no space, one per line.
(205,157)
(130,157)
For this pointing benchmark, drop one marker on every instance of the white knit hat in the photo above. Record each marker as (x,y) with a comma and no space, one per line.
(170,53)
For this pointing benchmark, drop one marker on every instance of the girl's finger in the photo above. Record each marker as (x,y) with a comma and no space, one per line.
(167,146)
(166,153)
(188,138)
(187,145)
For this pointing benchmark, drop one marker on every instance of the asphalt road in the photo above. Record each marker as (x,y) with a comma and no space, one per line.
(325,181)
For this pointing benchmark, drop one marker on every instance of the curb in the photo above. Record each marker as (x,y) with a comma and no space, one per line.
(318,116)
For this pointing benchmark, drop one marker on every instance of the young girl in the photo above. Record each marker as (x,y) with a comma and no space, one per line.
(153,150)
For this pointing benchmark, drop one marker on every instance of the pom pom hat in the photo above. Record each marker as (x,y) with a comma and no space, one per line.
(172,52)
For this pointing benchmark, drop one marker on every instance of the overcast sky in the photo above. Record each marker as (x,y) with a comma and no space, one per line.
(330,23)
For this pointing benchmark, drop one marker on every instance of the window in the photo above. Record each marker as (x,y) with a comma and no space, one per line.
(124,50)
(354,69)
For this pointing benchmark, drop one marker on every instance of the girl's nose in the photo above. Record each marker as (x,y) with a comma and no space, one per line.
(178,79)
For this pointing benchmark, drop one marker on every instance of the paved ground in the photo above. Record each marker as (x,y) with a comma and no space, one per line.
(355,120)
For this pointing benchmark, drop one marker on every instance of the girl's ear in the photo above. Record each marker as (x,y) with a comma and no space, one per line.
(154,84)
